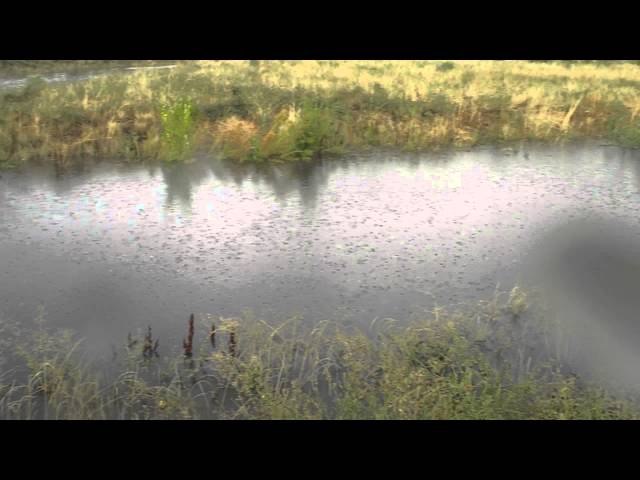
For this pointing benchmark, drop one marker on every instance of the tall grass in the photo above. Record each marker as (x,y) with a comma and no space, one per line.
(489,363)
(293,110)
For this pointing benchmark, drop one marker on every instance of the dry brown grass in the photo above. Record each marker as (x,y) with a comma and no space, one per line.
(297,109)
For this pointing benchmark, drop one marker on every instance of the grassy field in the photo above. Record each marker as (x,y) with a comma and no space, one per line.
(498,362)
(293,110)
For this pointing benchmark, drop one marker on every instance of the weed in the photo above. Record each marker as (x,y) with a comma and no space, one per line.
(177,129)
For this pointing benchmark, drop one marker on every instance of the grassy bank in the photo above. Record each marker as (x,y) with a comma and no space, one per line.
(498,362)
(292,110)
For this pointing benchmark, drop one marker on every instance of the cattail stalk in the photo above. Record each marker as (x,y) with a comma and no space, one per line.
(187,343)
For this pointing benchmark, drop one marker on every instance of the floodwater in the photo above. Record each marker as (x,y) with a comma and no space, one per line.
(108,249)
(65,77)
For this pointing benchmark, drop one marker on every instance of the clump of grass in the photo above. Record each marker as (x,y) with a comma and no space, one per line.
(464,365)
(313,131)
(517,301)
(445,66)
(301,133)
(150,347)
(236,138)
(177,129)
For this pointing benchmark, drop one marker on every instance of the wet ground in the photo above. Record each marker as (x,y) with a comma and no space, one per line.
(108,249)
(66,77)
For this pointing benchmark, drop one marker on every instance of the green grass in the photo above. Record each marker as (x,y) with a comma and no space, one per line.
(296,110)
(177,129)
(488,363)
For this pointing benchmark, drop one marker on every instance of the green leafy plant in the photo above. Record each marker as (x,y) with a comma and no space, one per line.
(177,129)
(312,133)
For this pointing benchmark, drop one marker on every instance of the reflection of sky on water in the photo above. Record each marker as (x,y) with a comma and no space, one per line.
(367,235)
(55,78)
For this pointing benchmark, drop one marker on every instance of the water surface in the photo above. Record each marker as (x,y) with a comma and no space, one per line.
(110,248)
(66,77)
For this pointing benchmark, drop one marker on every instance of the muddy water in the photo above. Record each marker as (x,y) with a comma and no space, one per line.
(109,249)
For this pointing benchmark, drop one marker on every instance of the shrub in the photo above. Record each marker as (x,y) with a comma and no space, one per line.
(177,129)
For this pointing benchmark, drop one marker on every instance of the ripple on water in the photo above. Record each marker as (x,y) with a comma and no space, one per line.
(381,224)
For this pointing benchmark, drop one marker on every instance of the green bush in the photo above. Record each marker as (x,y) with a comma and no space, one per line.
(312,133)
(177,129)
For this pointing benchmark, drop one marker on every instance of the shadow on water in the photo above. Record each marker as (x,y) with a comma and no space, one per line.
(306,179)
(589,268)
(180,180)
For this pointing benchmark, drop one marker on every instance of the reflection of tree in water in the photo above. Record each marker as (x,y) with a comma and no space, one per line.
(180,180)
(312,179)
(306,178)
(620,163)
(61,178)
(629,159)
(57,177)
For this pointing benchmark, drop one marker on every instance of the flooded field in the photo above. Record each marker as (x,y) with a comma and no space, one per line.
(109,249)
(15,82)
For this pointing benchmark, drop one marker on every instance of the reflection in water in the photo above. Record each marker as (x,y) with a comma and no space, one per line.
(12,83)
(304,178)
(180,181)
(362,236)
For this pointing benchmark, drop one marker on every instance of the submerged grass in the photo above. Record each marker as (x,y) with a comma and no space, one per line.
(293,110)
(496,362)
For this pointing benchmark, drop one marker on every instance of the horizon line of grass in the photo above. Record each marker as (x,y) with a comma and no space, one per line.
(298,110)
